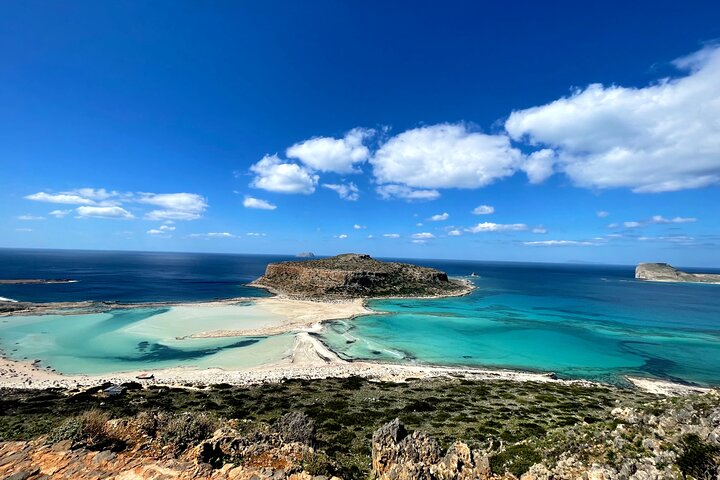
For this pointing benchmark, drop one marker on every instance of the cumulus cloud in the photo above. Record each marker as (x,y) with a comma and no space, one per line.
(66,198)
(440,217)
(561,243)
(454,233)
(539,165)
(391,235)
(358,227)
(60,213)
(346,191)
(275,175)
(406,193)
(251,202)
(663,137)
(163,230)
(256,234)
(445,156)
(342,236)
(109,203)
(602,214)
(423,235)
(483,210)
(497,227)
(327,154)
(103,212)
(174,206)
(540,230)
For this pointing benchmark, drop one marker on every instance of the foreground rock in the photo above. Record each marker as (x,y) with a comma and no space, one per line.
(662,272)
(356,276)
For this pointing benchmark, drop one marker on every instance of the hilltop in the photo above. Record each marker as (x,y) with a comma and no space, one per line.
(354,275)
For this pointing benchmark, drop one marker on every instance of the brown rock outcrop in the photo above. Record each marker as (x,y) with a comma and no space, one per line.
(397,455)
(356,276)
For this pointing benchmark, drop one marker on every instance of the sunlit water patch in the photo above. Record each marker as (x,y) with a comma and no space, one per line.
(581,322)
(142,338)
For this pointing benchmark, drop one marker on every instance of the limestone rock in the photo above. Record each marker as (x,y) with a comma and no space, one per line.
(355,276)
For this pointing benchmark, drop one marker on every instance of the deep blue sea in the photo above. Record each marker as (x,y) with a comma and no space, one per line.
(580,321)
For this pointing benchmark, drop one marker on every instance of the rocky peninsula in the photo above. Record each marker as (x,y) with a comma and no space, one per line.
(354,275)
(663,272)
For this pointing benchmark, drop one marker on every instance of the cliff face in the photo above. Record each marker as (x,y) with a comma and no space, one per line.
(354,276)
(662,272)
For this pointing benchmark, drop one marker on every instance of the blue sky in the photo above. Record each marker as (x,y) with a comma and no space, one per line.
(530,131)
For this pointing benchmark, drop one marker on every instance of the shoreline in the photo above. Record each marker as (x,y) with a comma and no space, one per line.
(309,358)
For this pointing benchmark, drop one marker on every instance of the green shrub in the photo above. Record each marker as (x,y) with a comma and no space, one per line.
(516,459)
(318,463)
(69,429)
(184,430)
(698,459)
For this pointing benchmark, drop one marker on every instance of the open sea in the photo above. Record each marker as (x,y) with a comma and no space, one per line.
(580,321)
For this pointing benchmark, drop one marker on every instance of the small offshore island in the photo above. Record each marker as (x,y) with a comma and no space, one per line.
(662,272)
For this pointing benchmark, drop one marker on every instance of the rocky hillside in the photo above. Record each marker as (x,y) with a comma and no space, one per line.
(356,276)
(662,272)
(677,438)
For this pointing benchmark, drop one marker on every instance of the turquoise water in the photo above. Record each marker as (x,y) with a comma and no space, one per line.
(139,339)
(583,322)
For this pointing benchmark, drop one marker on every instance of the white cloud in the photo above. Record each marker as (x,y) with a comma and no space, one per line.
(66,198)
(346,191)
(256,234)
(603,214)
(539,165)
(440,217)
(30,217)
(674,239)
(539,230)
(419,241)
(423,235)
(274,175)
(561,243)
(60,213)
(663,137)
(339,155)
(358,227)
(103,212)
(212,235)
(163,230)
(391,235)
(419,224)
(497,227)
(406,193)
(613,225)
(454,233)
(174,206)
(23,229)
(342,236)
(483,210)
(656,220)
(251,202)
(445,156)
(370,236)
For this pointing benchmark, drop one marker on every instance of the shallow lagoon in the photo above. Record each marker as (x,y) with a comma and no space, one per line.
(142,338)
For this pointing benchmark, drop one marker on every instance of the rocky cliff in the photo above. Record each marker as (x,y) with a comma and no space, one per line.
(662,272)
(355,276)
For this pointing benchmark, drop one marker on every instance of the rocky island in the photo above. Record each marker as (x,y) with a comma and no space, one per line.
(354,275)
(662,272)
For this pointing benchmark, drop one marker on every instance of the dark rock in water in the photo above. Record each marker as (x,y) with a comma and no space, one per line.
(356,276)
(662,272)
